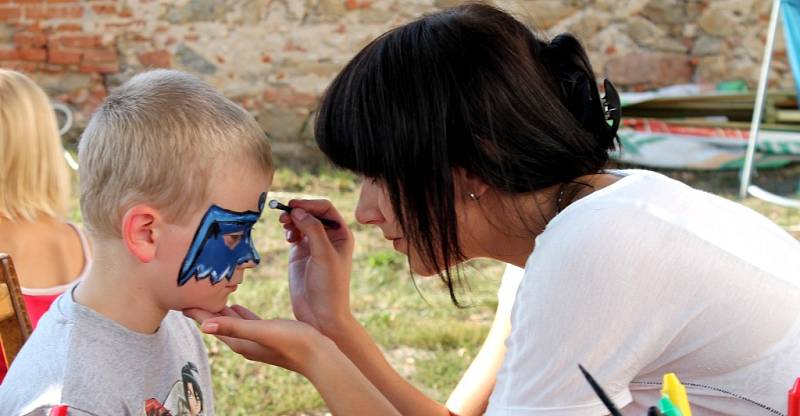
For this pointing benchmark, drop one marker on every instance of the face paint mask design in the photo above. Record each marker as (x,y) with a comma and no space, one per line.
(222,242)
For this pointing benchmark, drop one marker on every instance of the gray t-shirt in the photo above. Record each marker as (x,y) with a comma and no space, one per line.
(79,358)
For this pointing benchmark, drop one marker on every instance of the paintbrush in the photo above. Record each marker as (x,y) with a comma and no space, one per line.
(333,225)
(600,393)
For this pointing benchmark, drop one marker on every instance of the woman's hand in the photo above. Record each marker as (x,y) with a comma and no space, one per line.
(283,343)
(320,262)
(298,347)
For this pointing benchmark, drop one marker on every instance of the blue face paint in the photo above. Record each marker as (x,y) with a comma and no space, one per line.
(222,242)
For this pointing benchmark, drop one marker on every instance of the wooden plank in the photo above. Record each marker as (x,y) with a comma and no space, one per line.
(12,339)
(6,307)
(14,332)
(788,116)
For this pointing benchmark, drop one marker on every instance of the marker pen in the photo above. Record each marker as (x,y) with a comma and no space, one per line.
(672,387)
(333,225)
(794,399)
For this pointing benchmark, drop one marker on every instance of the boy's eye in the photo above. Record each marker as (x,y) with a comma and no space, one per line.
(232,240)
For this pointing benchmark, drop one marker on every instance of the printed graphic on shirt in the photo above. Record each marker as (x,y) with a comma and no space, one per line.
(185,397)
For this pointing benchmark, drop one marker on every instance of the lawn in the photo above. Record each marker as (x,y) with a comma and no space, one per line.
(426,338)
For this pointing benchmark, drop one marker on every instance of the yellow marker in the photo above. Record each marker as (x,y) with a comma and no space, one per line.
(676,392)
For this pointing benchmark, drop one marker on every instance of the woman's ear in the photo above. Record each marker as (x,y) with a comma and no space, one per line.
(140,231)
(468,185)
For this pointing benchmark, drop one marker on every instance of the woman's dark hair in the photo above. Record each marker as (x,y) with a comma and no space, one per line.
(472,88)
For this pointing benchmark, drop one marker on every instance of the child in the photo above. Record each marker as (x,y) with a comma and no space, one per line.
(49,253)
(173,177)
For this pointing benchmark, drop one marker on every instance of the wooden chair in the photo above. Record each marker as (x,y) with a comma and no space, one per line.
(15,325)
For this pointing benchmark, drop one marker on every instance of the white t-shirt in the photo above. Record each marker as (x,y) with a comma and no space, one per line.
(648,276)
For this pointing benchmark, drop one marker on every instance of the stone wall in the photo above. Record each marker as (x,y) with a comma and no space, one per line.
(275,57)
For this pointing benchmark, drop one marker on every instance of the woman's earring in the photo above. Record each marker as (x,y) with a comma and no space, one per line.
(473,197)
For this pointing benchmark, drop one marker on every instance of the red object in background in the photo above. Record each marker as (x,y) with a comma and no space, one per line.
(36,306)
(60,410)
(794,399)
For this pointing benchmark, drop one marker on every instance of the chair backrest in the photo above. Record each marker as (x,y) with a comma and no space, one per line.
(15,324)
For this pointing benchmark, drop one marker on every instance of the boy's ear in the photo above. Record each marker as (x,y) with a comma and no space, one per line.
(140,231)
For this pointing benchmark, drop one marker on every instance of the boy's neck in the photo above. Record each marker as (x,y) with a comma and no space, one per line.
(119,298)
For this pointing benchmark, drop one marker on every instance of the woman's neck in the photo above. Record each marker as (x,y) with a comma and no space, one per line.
(517,220)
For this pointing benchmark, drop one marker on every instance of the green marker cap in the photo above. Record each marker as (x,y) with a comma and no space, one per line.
(667,407)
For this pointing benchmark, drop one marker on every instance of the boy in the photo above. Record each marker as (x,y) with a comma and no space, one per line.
(173,177)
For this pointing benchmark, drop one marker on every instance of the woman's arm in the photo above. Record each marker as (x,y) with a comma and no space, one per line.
(319,278)
(298,347)
(471,395)
(355,342)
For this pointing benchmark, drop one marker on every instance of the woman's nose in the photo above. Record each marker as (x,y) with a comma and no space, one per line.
(367,209)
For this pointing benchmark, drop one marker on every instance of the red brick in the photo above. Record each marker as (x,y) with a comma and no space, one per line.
(30,40)
(54,12)
(357,4)
(100,55)
(156,59)
(30,54)
(100,60)
(289,96)
(107,8)
(9,13)
(20,66)
(69,27)
(62,1)
(8,54)
(103,68)
(53,69)
(28,1)
(64,57)
(75,41)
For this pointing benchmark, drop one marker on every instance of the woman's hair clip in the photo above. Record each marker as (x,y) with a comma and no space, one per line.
(611,105)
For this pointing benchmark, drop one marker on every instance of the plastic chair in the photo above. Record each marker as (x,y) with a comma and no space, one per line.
(792,24)
(15,325)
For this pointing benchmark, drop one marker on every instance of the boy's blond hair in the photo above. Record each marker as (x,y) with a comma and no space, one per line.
(34,178)
(156,140)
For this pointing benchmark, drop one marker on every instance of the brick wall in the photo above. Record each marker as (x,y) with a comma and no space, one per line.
(275,57)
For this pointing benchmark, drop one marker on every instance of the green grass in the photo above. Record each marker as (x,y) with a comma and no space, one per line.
(430,341)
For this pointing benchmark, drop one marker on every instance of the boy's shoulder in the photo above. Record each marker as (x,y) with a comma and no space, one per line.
(96,365)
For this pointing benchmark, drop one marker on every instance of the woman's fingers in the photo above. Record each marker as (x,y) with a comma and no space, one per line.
(244,312)
(199,315)
(321,208)
(236,328)
(320,245)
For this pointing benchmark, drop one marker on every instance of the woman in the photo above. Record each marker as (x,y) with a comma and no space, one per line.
(49,253)
(476,139)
